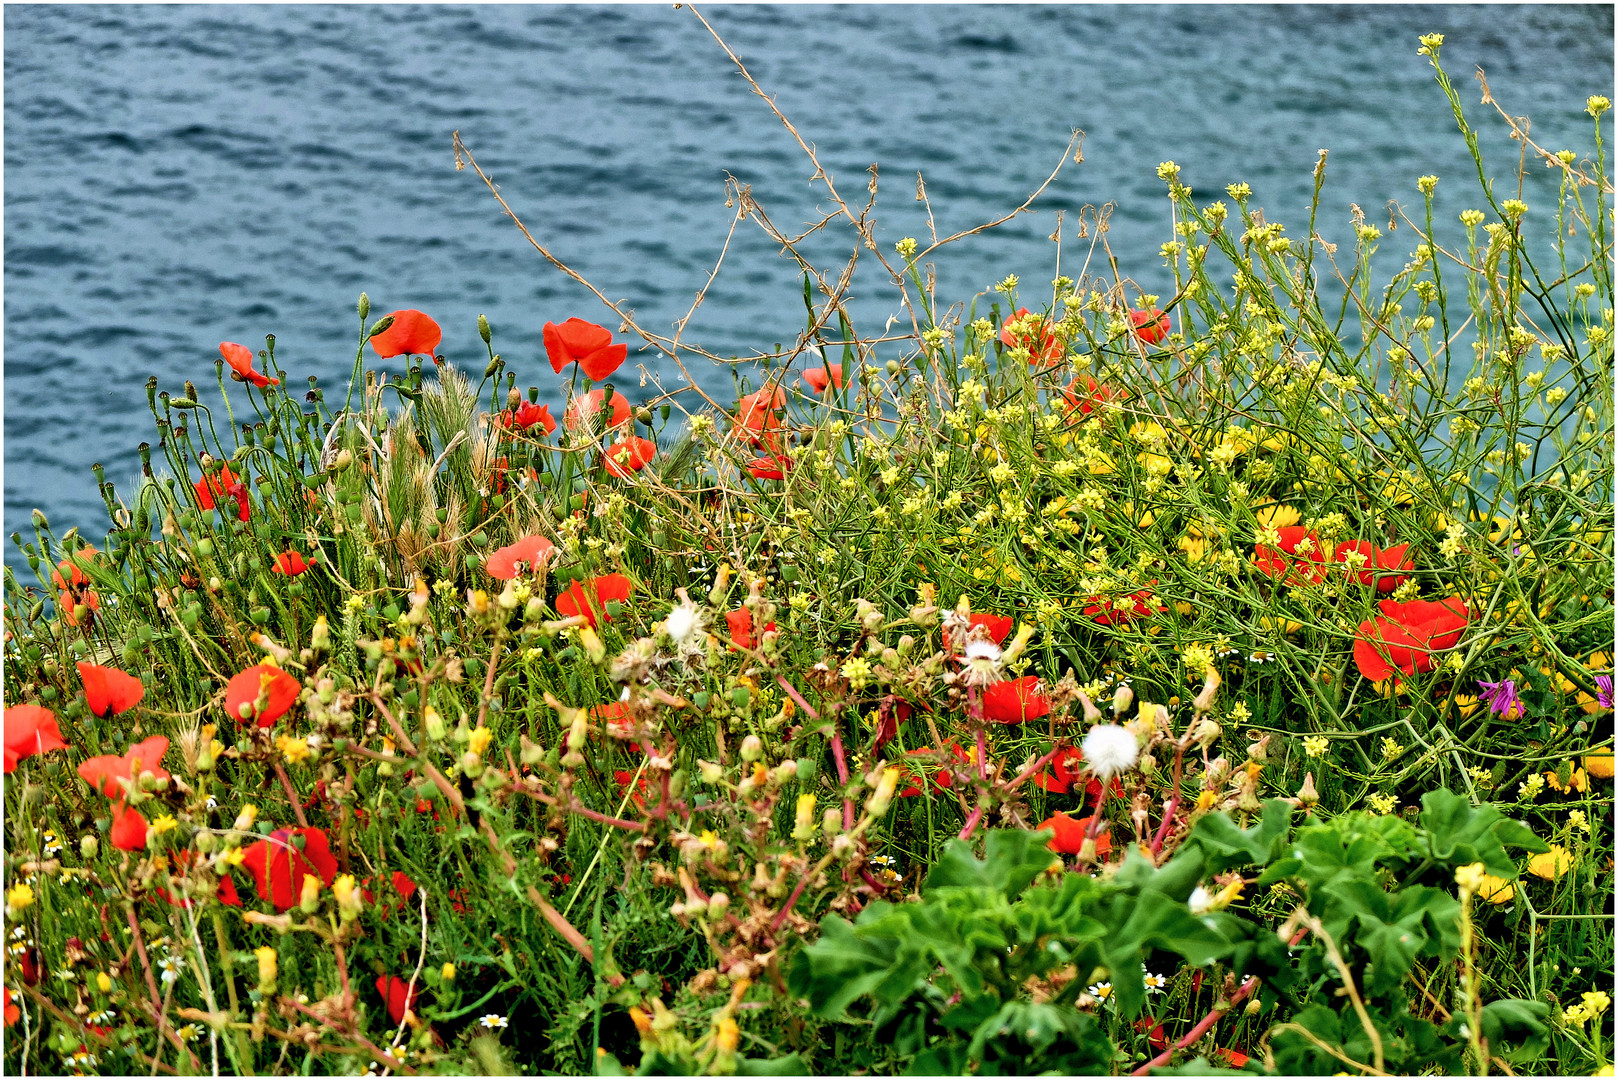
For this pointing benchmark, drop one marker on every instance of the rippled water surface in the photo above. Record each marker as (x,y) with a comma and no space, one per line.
(177,176)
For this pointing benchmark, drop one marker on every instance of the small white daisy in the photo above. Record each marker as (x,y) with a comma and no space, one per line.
(1262,657)
(1101,991)
(171,966)
(1155,984)
(492,1021)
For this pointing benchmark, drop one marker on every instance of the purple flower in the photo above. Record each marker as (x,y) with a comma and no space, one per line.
(1604,691)
(1502,698)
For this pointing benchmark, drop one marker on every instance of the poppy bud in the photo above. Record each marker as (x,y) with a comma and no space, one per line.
(752,748)
(1307,795)
(803,825)
(89,845)
(1122,698)
(710,772)
(513,398)
(493,368)
(320,637)
(721,584)
(1203,702)
(349,901)
(245,819)
(483,329)
(532,753)
(831,822)
(380,326)
(40,520)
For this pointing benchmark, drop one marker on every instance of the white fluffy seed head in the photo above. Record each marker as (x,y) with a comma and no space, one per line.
(1110,750)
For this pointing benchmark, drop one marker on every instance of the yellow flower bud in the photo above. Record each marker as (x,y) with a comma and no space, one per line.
(309,899)
(350,902)
(266,967)
(448,973)
(103,982)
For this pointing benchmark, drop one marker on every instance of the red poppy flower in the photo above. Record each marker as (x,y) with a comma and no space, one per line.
(1376,559)
(108,691)
(1407,635)
(1015,700)
(1036,335)
(591,601)
(589,344)
(66,603)
(622,777)
(818,377)
(628,456)
(278,689)
(128,831)
(1069,838)
(402,883)
(998,626)
(32,965)
(942,779)
(527,415)
(107,772)
(758,417)
(219,485)
(291,563)
(1105,613)
(774,467)
(585,407)
(1286,562)
(1234,1058)
(240,359)
(399,996)
(30,730)
(226,893)
(278,867)
(1150,326)
(1086,395)
(1154,1033)
(76,577)
(412,332)
(13,1014)
(531,552)
(741,628)
(1066,767)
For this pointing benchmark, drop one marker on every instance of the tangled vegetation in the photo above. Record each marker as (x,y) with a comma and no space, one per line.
(1084,682)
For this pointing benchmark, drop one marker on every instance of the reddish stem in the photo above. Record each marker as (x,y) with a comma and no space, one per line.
(1173,805)
(1201,1029)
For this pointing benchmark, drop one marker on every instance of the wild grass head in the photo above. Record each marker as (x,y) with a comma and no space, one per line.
(1067,679)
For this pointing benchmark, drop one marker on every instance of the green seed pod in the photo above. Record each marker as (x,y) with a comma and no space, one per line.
(483,329)
(364,306)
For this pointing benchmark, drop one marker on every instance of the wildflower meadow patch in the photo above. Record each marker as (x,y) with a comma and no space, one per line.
(1062,679)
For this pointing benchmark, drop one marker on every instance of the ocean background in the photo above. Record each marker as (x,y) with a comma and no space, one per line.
(177,176)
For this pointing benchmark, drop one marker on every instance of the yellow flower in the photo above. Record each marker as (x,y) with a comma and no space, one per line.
(1599,765)
(164,823)
(479,741)
(1496,890)
(1277,516)
(1596,1002)
(103,982)
(1577,782)
(235,857)
(1552,864)
(19,897)
(728,1036)
(448,973)
(295,750)
(1465,704)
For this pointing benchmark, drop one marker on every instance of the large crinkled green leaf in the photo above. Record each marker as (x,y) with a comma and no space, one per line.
(1224,844)
(1025,1037)
(1461,833)
(1011,859)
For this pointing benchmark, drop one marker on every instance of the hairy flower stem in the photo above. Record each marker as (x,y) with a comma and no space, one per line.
(1172,805)
(292,795)
(1202,1027)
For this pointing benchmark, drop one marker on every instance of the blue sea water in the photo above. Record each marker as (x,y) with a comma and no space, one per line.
(177,176)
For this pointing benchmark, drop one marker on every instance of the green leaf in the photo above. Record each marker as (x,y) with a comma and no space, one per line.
(1513,1020)
(1460,833)
(791,1065)
(1011,859)
(1224,844)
